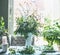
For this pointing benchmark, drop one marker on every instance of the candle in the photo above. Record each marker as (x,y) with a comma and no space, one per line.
(4,40)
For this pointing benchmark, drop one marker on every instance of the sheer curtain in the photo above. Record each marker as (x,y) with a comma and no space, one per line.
(52,8)
(52,11)
(44,8)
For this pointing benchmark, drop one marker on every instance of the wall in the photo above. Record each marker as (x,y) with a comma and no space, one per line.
(4,10)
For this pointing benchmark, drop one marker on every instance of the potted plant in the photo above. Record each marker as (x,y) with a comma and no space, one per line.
(48,31)
(57,40)
(27,51)
(48,34)
(48,49)
(51,33)
(27,27)
(2,33)
(2,27)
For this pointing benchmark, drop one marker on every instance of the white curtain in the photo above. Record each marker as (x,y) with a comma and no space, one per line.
(52,8)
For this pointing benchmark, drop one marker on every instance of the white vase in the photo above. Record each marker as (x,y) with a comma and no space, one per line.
(29,39)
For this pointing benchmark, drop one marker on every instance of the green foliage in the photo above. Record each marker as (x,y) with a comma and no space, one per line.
(57,41)
(48,34)
(12,51)
(43,54)
(27,50)
(51,33)
(2,26)
(27,25)
(47,21)
(48,48)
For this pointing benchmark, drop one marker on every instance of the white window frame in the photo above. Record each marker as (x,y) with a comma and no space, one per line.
(10,16)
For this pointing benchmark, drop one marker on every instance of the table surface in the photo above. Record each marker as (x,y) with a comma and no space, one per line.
(37,52)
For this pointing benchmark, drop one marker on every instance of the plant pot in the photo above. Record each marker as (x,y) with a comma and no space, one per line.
(4,47)
(58,48)
(49,51)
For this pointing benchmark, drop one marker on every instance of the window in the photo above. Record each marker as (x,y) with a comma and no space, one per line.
(41,9)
